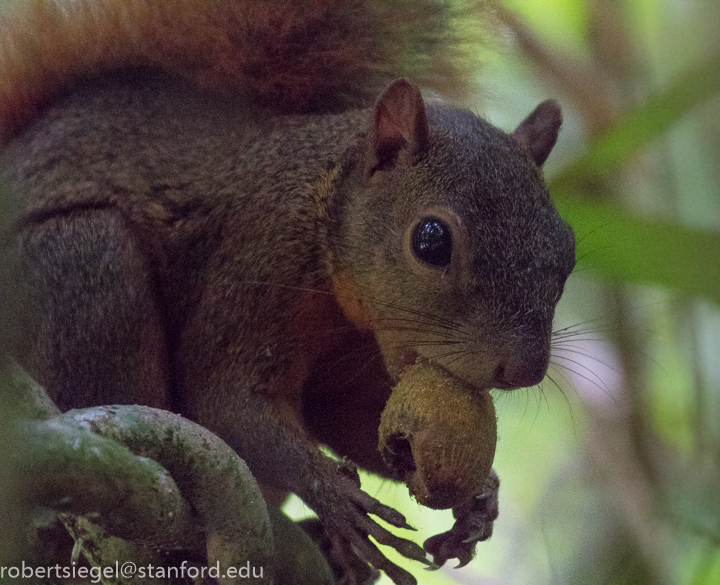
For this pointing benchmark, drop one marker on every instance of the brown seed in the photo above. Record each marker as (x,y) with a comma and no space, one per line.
(438,434)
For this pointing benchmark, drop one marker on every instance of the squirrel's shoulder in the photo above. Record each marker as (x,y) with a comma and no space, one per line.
(310,56)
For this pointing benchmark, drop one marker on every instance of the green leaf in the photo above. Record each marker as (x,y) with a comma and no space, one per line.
(622,247)
(644,123)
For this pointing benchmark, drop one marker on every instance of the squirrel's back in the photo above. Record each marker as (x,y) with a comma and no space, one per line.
(171,144)
(315,55)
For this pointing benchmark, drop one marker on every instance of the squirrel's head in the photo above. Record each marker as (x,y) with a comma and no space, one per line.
(446,243)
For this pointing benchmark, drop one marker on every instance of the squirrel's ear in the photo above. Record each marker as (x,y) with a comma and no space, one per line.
(538,132)
(400,127)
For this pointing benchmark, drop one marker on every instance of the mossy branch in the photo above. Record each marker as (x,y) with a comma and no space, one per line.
(149,477)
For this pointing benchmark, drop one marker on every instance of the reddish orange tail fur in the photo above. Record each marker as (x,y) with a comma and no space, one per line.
(315,55)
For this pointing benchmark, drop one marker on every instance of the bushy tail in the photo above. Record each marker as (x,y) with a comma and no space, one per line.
(296,56)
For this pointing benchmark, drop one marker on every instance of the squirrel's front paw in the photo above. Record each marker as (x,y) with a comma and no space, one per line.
(474,523)
(344,511)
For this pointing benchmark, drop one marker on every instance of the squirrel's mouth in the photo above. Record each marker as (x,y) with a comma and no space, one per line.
(399,359)
(405,357)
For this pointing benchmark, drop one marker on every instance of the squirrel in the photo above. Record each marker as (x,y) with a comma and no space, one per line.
(243,212)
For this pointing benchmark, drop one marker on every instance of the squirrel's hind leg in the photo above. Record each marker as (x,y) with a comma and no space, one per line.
(90,313)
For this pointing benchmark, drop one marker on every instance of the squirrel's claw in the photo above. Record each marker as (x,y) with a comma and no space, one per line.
(343,509)
(352,551)
(474,523)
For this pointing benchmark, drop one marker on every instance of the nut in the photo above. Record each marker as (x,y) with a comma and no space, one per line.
(438,434)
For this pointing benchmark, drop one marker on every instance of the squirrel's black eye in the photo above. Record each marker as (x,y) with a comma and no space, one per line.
(432,242)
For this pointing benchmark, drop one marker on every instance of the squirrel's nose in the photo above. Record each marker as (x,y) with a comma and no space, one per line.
(521,371)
